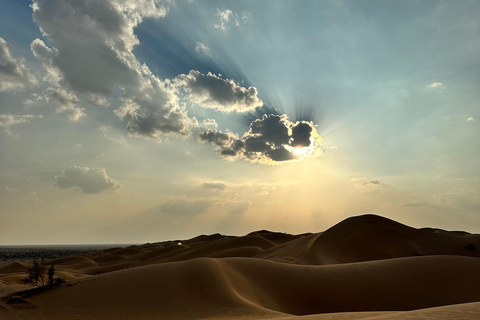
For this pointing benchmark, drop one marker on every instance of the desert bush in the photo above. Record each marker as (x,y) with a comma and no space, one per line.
(37,272)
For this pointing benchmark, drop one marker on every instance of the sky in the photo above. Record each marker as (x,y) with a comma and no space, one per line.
(128,121)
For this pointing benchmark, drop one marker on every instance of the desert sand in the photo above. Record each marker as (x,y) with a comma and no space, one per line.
(365,267)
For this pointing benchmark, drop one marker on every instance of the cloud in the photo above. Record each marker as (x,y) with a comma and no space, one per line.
(7,120)
(9,189)
(211,91)
(202,48)
(93,56)
(210,122)
(226,18)
(362,182)
(97,100)
(470,119)
(87,180)
(223,18)
(47,56)
(436,85)
(68,103)
(270,140)
(154,123)
(14,75)
(214,185)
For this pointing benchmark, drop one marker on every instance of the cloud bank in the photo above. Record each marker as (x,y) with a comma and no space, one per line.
(87,180)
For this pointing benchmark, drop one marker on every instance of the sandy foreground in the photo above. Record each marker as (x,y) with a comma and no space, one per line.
(365,267)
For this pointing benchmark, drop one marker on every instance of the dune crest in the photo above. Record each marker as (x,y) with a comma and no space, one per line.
(365,267)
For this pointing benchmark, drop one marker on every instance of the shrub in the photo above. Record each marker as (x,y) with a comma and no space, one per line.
(36,275)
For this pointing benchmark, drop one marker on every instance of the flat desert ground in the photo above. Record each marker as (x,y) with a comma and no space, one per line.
(365,267)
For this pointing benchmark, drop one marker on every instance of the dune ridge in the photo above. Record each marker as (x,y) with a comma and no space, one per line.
(365,267)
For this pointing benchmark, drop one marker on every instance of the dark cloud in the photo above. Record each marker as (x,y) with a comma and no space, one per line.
(212,91)
(228,143)
(269,140)
(14,75)
(153,125)
(87,180)
(301,134)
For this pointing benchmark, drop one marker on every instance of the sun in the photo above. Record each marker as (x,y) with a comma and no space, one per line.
(301,151)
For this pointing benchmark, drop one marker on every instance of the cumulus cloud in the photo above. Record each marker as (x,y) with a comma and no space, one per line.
(87,180)
(470,119)
(14,75)
(7,120)
(92,55)
(270,140)
(212,91)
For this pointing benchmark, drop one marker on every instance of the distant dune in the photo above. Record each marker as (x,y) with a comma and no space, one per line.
(365,267)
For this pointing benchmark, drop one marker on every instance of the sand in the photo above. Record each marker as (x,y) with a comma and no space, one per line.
(365,267)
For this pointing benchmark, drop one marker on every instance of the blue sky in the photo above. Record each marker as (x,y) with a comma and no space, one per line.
(133,121)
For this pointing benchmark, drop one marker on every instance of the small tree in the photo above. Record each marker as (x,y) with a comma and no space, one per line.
(35,275)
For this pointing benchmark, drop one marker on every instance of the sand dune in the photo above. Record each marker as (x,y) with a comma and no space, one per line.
(365,267)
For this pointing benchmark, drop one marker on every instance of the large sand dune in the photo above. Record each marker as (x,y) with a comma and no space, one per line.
(365,267)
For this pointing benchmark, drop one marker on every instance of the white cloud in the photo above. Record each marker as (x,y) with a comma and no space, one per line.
(223,18)
(93,57)
(226,18)
(202,48)
(7,120)
(470,119)
(210,122)
(14,75)
(87,180)
(214,92)
(9,189)
(436,85)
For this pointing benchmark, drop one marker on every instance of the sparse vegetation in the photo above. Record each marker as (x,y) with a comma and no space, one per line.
(39,276)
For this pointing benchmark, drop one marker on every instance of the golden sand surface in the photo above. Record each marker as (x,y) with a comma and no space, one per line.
(365,267)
